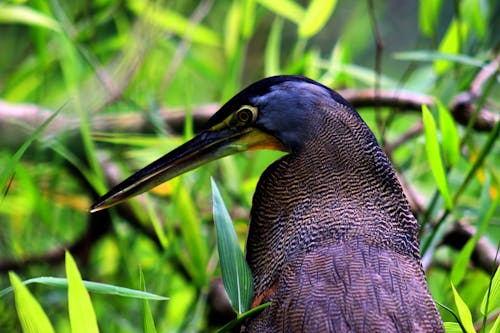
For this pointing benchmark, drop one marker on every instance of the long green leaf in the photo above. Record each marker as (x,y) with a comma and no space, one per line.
(286,8)
(428,55)
(95,287)
(451,43)
(486,209)
(81,311)
(449,136)
(316,16)
(175,22)
(11,164)
(26,15)
(147,316)
(33,318)
(434,155)
(273,49)
(428,16)
(236,274)
(451,327)
(463,312)
(492,297)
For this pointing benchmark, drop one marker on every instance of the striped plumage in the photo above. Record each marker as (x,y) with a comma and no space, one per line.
(332,242)
(332,233)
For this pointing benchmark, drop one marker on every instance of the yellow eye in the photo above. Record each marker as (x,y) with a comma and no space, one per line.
(246,114)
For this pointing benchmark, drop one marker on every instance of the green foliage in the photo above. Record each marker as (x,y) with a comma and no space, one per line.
(33,318)
(113,70)
(236,273)
(434,155)
(81,311)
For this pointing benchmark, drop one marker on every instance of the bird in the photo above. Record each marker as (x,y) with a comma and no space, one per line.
(332,242)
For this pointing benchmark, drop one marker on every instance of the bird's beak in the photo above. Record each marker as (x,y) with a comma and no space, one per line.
(209,145)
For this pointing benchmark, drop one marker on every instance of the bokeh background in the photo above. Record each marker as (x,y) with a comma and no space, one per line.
(91,91)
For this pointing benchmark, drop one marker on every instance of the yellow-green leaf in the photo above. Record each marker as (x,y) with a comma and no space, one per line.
(463,312)
(428,16)
(449,136)
(492,297)
(451,327)
(248,18)
(452,40)
(175,22)
(434,155)
(33,318)
(316,16)
(287,8)
(81,311)
(147,316)
(26,15)
(273,48)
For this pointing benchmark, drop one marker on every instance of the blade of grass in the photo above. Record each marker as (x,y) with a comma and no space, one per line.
(239,319)
(316,16)
(236,274)
(434,155)
(273,47)
(463,312)
(81,311)
(449,135)
(491,298)
(33,318)
(428,16)
(147,316)
(286,8)
(8,169)
(29,16)
(486,210)
(95,287)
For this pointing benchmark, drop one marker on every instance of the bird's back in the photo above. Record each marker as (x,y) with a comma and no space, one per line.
(349,286)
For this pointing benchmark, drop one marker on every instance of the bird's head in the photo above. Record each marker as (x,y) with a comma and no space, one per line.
(269,114)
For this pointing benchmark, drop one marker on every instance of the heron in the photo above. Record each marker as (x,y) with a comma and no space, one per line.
(332,242)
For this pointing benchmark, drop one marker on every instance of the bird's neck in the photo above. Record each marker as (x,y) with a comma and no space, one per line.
(338,188)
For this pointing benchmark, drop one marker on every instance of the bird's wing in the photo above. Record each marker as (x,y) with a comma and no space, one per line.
(350,286)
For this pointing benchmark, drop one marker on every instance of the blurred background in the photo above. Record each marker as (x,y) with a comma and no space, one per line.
(91,91)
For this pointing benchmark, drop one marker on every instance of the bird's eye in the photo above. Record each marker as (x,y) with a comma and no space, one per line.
(246,114)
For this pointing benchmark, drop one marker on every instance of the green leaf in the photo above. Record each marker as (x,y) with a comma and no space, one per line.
(33,318)
(248,18)
(273,48)
(95,287)
(236,274)
(229,327)
(434,155)
(196,258)
(81,311)
(451,327)
(427,55)
(428,16)
(492,297)
(451,44)
(496,326)
(462,261)
(8,169)
(175,22)
(147,316)
(473,16)
(316,16)
(26,15)
(449,136)
(233,28)
(286,8)
(463,312)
